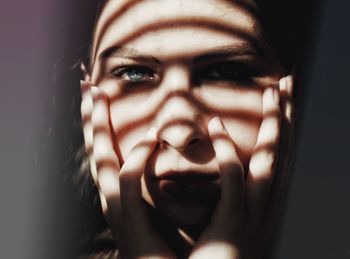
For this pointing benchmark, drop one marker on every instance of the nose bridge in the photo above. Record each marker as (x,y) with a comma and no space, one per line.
(177,77)
(177,93)
(179,120)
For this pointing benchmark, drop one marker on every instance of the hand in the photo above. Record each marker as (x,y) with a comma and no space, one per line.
(242,224)
(120,188)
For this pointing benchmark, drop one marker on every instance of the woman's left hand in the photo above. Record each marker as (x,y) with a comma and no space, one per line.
(243,222)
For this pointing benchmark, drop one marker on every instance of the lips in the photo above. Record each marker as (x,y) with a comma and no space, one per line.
(188,186)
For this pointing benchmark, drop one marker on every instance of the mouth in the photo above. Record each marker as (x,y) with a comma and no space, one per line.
(188,186)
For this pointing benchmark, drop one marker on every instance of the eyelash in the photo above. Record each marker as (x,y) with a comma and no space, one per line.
(121,72)
(230,71)
(219,72)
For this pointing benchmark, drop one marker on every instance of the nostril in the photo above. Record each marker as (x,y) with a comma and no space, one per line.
(194,142)
(181,136)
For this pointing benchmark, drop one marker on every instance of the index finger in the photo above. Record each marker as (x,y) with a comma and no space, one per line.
(132,171)
(231,171)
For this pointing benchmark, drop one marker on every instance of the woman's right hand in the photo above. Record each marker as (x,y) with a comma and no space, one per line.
(120,188)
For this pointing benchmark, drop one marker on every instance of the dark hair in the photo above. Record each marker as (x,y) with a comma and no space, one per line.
(290,37)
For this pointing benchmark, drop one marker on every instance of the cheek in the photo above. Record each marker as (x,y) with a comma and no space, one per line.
(130,122)
(239,108)
(244,134)
(129,119)
(241,112)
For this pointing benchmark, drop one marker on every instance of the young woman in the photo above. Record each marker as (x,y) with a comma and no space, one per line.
(187,118)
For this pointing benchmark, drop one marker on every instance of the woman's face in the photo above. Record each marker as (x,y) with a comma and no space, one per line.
(174,65)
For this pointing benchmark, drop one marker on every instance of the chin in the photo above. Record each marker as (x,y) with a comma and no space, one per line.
(189,216)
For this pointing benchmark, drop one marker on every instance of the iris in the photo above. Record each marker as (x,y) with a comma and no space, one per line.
(135,74)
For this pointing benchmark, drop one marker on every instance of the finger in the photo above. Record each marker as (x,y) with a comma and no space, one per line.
(231,169)
(86,112)
(136,219)
(104,155)
(287,89)
(287,135)
(263,160)
(286,143)
(228,214)
(131,173)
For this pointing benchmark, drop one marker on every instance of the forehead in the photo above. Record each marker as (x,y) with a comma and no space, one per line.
(174,25)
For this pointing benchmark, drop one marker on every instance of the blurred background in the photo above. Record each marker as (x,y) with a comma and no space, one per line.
(40,215)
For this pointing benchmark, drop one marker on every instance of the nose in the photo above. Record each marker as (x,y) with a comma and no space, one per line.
(180,121)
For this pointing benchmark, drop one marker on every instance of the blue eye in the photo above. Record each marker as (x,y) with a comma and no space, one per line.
(134,74)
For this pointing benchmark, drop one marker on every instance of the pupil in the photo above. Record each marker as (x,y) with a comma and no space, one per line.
(135,75)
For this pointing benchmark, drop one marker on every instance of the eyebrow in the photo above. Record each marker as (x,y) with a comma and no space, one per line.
(240,49)
(128,53)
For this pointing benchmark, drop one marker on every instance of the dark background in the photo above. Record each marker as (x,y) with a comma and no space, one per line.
(39,216)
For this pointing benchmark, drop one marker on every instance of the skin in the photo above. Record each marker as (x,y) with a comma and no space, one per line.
(160,101)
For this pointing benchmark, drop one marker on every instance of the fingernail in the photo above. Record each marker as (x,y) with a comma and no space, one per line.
(216,124)
(152,133)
